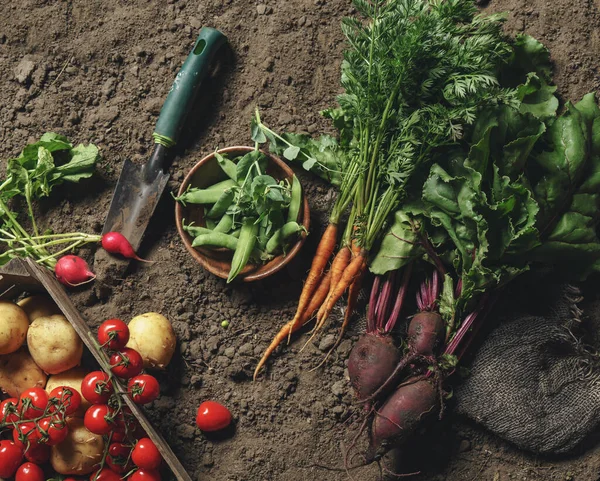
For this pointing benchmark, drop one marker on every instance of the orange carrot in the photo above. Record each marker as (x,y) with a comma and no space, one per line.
(356,267)
(339,264)
(316,301)
(319,263)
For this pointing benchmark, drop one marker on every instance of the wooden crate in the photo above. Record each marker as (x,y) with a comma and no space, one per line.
(24,275)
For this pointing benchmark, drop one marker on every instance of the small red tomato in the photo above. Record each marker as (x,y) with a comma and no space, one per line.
(54,430)
(126,363)
(143,389)
(145,454)
(96,387)
(65,397)
(26,434)
(119,457)
(10,458)
(29,472)
(212,416)
(100,419)
(118,436)
(9,410)
(33,402)
(145,475)
(38,453)
(113,334)
(105,475)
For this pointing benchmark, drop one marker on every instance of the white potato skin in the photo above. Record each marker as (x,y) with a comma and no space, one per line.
(54,344)
(38,306)
(18,372)
(71,378)
(151,334)
(14,324)
(81,451)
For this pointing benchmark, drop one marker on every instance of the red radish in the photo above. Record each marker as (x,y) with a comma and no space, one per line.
(403,412)
(117,243)
(73,271)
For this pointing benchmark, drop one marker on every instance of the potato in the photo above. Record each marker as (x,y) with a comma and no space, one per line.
(152,335)
(13,327)
(71,378)
(80,452)
(18,372)
(54,344)
(38,306)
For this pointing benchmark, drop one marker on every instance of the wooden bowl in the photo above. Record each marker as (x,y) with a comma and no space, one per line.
(218,261)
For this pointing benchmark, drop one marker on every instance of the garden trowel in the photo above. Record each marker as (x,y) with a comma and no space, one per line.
(140,186)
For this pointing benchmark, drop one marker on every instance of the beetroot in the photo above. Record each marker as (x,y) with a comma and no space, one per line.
(403,412)
(372,360)
(72,270)
(426,333)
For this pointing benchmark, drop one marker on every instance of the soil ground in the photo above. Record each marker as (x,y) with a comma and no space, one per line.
(98,71)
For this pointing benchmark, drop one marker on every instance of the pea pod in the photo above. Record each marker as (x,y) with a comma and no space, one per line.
(221,205)
(195,230)
(216,239)
(245,245)
(279,238)
(295,200)
(224,224)
(210,223)
(205,196)
(262,233)
(227,166)
(224,184)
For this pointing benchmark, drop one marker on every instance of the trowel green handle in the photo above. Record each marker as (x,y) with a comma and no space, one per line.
(186,86)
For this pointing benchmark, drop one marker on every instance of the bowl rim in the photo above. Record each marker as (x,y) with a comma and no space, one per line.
(261,271)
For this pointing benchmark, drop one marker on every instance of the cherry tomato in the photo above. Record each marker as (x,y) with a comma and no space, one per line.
(105,475)
(38,453)
(10,458)
(126,363)
(145,475)
(119,457)
(26,434)
(66,397)
(54,429)
(96,387)
(100,419)
(113,334)
(9,412)
(145,454)
(29,472)
(212,416)
(118,436)
(33,402)
(143,389)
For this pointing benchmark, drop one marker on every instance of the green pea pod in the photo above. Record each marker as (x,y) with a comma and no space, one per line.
(195,230)
(221,205)
(216,239)
(245,245)
(279,238)
(205,196)
(236,233)
(224,224)
(295,200)
(223,185)
(262,233)
(210,223)
(227,166)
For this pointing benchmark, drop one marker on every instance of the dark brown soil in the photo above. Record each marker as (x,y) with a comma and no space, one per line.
(99,71)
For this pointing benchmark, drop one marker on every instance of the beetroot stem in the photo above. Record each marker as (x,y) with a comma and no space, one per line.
(399,299)
(372,304)
(384,302)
